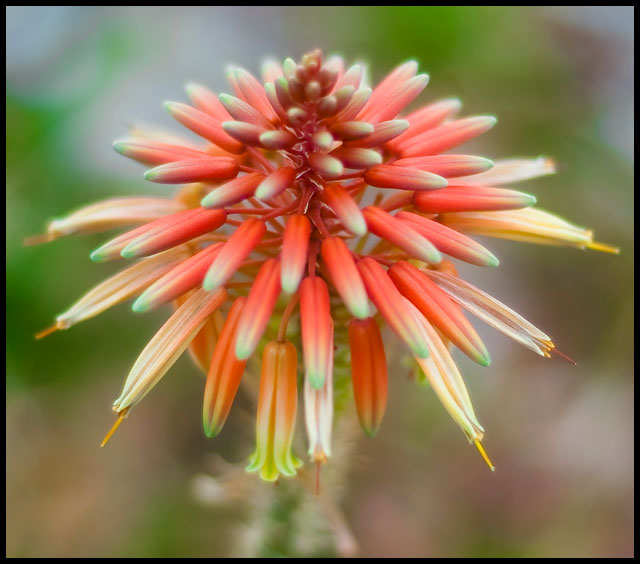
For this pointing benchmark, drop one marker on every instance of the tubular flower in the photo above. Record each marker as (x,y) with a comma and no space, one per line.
(310,188)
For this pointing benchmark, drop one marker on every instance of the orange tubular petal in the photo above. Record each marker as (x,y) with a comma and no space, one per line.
(241,111)
(207,101)
(112,249)
(345,276)
(396,100)
(233,191)
(317,329)
(224,374)
(235,251)
(352,77)
(450,241)
(167,345)
(355,101)
(345,208)
(400,234)
(403,178)
(260,303)
(244,132)
(448,165)
(155,153)
(426,118)
(368,373)
(251,91)
(276,183)
(111,213)
(318,414)
(204,125)
(278,139)
(357,157)
(385,89)
(276,419)
(471,198)
(184,277)
(203,344)
(383,132)
(185,226)
(294,252)
(393,307)
(437,307)
(446,136)
(118,288)
(207,169)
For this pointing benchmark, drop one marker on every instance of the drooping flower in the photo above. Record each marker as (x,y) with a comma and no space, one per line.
(312,189)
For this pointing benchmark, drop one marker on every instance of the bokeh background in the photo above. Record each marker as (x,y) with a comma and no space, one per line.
(561,82)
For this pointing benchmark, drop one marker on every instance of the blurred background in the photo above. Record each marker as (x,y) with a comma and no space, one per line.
(560,81)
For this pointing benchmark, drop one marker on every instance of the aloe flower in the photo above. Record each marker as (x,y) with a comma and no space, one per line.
(313,196)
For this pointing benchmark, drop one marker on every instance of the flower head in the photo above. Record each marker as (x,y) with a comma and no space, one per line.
(312,191)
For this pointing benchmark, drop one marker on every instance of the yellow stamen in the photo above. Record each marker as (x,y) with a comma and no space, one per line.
(121,417)
(45,332)
(603,247)
(484,455)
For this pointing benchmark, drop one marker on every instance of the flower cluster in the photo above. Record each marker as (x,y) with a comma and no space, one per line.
(309,191)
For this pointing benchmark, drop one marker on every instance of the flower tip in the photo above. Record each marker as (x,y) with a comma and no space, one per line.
(370,431)
(422,79)
(437,181)
(491,259)
(211,429)
(359,227)
(121,146)
(315,379)
(191,87)
(243,350)
(482,357)
(210,283)
(421,350)
(489,121)
(97,255)
(151,175)
(485,164)
(170,107)
(128,252)
(141,305)
(289,285)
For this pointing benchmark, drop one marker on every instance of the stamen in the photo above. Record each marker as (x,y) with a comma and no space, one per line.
(45,332)
(318,467)
(38,239)
(603,247)
(282,330)
(122,415)
(261,159)
(313,254)
(484,455)
(316,217)
(562,355)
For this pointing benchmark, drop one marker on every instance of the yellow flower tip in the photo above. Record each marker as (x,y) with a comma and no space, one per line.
(57,326)
(594,245)
(484,455)
(122,415)
(38,239)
